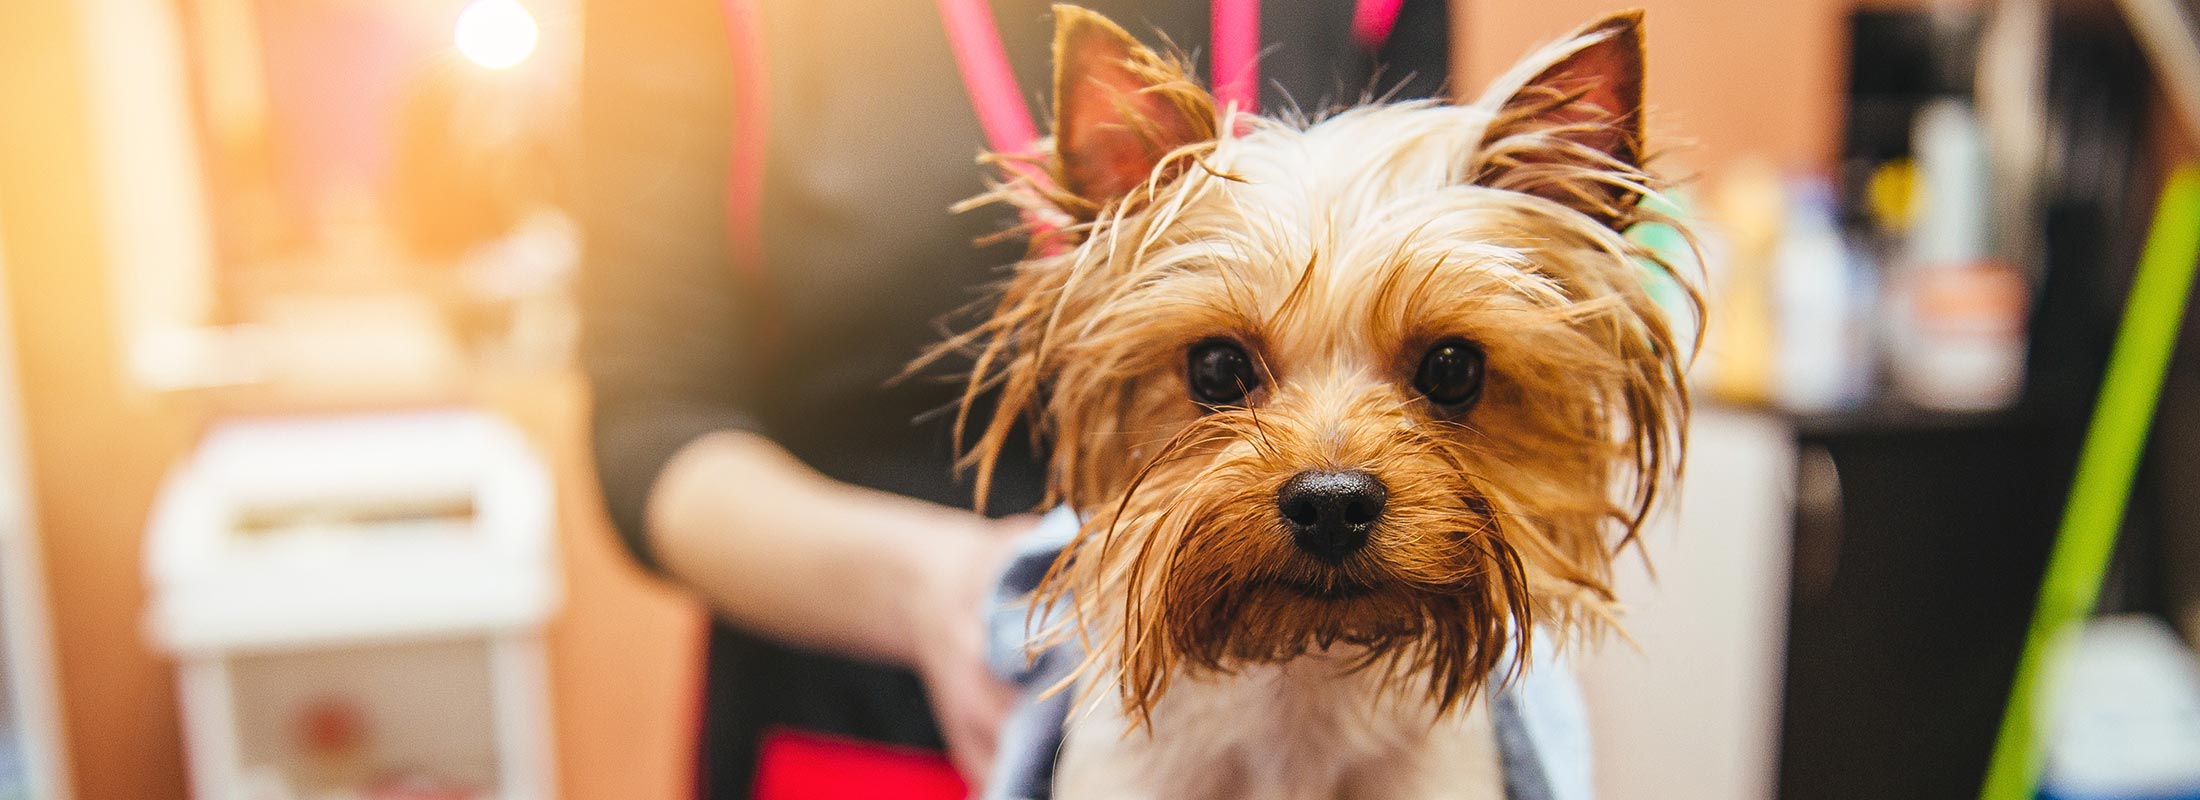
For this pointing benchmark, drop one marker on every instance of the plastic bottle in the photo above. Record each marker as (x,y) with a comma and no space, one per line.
(1960,340)
(1814,300)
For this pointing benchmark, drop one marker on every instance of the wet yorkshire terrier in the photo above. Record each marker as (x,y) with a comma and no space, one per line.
(1350,409)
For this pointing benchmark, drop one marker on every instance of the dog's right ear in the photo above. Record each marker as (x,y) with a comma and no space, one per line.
(1119,110)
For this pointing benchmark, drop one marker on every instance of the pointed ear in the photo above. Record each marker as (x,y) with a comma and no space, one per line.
(1119,108)
(1567,122)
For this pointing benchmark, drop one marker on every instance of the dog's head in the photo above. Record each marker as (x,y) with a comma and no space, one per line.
(1389,384)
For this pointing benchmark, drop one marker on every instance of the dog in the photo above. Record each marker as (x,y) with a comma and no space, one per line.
(1351,408)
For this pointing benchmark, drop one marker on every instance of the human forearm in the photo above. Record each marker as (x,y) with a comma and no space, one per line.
(781,550)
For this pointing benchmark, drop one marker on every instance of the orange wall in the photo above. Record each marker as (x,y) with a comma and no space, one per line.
(1726,77)
(94,456)
(622,654)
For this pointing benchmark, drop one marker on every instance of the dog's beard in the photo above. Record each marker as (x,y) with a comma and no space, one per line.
(1439,618)
(1191,571)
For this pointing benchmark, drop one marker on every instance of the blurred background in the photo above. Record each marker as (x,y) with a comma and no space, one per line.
(294,487)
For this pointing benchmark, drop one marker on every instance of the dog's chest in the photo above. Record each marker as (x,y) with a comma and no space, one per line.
(1281,733)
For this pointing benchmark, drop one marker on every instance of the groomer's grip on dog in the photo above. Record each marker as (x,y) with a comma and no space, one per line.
(749,295)
(752,449)
(791,554)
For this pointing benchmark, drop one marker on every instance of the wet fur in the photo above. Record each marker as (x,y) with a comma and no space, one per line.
(1336,252)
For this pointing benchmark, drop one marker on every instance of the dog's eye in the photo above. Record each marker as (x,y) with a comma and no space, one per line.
(1219,372)
(1451,374)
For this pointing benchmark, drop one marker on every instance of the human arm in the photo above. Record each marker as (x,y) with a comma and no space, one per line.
(697,488)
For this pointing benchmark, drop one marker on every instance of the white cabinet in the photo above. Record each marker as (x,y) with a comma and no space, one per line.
(1687,704)
(355,604)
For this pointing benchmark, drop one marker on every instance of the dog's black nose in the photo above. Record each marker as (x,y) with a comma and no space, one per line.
(1330,512)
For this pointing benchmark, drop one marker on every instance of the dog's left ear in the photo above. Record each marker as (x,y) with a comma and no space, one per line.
(1568,122)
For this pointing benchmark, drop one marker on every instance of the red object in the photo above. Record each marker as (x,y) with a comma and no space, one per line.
(799,765)
(1235,59)
(332,726)
(745,161)
(1373,20)
(991,83)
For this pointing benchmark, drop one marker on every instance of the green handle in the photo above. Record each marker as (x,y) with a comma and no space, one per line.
(2114,441)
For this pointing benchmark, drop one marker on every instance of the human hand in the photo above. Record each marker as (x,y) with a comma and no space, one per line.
(956,581)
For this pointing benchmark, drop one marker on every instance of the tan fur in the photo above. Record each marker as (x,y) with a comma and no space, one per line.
(1336,252)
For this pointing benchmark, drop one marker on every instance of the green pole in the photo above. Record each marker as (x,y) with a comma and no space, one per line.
(2109,459)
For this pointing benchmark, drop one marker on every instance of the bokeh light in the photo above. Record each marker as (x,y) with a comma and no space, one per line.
(497,34)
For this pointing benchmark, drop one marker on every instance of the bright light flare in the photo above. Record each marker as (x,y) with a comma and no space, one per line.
(496,33)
